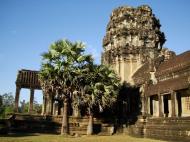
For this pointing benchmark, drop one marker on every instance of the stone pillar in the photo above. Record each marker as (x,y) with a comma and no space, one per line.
(119,64)
(49,105)
(55,108)
(131,67)
(17,95)
(31,100)
(44,105)
(155,106)
(145,105)
(122,71)
(76,112)
(160,99)
(174,103)
(148,105)
(142,104)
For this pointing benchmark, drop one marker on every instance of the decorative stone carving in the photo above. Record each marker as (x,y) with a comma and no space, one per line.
(167,54)
(132,31)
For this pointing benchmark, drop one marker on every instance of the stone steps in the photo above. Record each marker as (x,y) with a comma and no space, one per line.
(168,129)
(51,124)
(4,126)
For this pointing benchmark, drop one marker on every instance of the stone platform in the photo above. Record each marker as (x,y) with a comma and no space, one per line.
(171,129)
(52,124)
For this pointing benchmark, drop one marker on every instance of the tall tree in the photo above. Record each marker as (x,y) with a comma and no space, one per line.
(1,100)
(68,74)
(100,90)
(59,70)
(7,103)
(1,107)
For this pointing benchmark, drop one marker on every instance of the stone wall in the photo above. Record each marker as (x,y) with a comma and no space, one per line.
(170,129)
(173,129)
(52,124)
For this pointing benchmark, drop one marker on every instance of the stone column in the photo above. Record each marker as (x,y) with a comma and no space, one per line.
(117,65)
(55,108)
(143,101)
(76,111)
(49,105)
(131,67)
(17,95)
(44,105)
(148,105)
(174,103)
(31,100)
(155,106)
(160,99)
(122,71)
(145,105)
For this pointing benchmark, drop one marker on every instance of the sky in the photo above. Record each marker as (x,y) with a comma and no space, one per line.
(28,27)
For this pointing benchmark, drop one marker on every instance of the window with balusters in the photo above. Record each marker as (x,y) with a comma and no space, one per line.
(188,103)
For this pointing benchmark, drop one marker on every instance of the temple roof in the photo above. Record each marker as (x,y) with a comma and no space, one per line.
(28,79)
(166,86)
(162,68)
(142,74)
(174,64)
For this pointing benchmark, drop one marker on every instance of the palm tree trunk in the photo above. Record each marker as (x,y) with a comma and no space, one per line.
(64,128)
(90,125)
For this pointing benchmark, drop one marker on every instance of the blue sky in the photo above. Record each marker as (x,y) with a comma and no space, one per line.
(28,27)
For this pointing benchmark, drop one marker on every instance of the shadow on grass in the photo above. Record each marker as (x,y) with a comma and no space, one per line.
(19,135)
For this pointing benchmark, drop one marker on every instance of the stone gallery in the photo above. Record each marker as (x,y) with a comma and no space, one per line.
(154,101)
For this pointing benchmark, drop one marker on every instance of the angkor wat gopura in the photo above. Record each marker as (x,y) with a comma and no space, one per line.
(155,99)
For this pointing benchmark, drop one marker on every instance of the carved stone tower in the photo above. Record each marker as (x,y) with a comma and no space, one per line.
(133,37)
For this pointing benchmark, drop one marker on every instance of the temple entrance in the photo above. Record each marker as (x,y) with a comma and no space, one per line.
(30,101)
(23,99)
(167,105)
(184,103)
(154,105)
(128,104)
(179,107)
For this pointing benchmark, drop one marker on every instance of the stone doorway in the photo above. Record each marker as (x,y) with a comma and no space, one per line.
(167,105)
(154,105)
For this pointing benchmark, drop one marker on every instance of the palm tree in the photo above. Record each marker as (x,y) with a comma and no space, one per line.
(59,72)
(101,91)
(80,81)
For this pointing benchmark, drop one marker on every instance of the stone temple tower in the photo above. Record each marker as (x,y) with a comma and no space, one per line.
(133,37)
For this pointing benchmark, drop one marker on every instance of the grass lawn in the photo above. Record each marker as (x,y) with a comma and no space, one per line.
(58,138)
